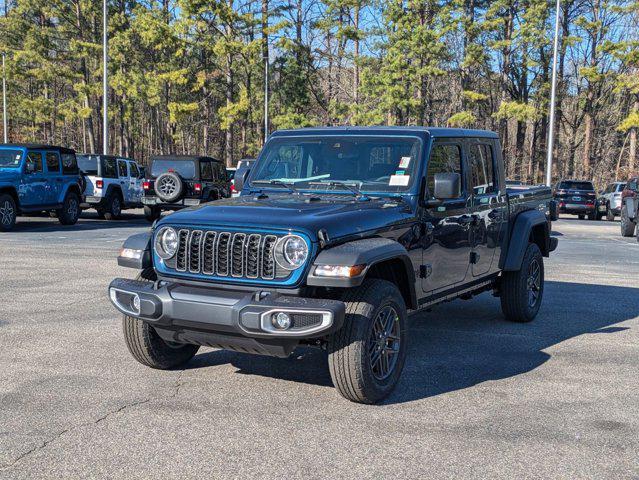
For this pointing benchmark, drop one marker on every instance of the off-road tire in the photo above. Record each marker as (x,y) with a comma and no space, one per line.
(152,213)
(581,217)
(593,216)
(8,212)
(145,344)
(176,190)
(113,206)
(609,215)
(514,288)
(349,355)
(70,211)
(627,225)
(554,213)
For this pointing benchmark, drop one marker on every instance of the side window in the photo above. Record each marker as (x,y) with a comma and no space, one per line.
(53,162)
(444,158)
(620,187)
(69,164)
(34,162)
(632,185)
(109,168)
(206,172)
(135,173)
(122,172)
(482,169)
(221,173)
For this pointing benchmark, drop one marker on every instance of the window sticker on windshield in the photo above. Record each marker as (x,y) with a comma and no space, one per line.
(399,180)
(404,162)
(400,172)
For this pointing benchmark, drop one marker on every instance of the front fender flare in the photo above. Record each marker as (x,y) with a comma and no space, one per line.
(140,242)
(367,251)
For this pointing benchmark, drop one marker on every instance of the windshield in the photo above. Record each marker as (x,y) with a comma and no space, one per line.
(185,168)
(576,186)
(10,158)
(88,164)
(372,164)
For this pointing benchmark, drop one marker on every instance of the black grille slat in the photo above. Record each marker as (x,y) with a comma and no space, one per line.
(222,253)
(227,254)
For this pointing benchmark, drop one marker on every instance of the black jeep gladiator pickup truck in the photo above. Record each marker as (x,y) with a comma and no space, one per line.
(337,234)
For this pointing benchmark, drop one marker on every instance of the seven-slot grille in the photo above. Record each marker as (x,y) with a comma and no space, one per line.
(226,254)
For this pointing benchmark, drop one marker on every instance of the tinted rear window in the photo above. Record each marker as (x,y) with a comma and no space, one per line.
(185,168)
(576,186)
(88,164)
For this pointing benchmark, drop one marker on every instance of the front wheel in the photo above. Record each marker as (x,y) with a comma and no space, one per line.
(152,213)
(147,347)
(366,356)
(627,225)
(8,212)
(70,211)
(523,290)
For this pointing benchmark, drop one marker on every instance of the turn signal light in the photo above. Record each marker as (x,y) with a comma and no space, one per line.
(146,185)
(339,271)
(99,184)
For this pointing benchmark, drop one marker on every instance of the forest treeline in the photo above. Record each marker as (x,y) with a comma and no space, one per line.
(187,76)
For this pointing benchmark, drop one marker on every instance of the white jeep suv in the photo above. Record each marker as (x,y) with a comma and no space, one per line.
(609,202)
(112,184)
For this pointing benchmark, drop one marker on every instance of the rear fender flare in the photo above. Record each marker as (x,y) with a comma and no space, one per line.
(520,235)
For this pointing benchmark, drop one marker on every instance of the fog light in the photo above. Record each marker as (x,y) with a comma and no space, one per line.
(135,303)
(281,321)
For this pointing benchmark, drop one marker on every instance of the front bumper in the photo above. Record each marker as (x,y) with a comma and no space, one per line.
(152,201)
(239,320)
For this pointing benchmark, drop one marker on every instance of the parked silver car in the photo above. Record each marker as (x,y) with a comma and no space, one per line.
(609,202)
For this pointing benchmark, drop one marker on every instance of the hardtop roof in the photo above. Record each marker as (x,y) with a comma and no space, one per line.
(435,132)
(37,146)
(182,158)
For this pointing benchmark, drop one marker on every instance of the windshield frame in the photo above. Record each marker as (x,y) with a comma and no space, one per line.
(15,150)
(411,189)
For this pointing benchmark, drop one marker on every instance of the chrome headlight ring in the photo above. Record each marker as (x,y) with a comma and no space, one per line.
(291,252)
(166,243)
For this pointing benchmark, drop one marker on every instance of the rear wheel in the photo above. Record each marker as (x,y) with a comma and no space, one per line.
(152,213)
(113,207)
(593,216)
(70,211)
(366,356)
(581,216)
(627,225)
(8,212)
(147,347)
(609,215)
(522,291)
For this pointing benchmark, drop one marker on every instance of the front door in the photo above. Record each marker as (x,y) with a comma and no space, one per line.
(488,206)
(35,183)
(123,173)
(446,245)
(135,183)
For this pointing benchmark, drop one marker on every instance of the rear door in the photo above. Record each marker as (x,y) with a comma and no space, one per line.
(446,248)
(123,174)
(489,207)
(54,174)
(135,183)
(35,181)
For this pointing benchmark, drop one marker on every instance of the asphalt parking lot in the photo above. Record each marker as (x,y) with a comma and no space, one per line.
(479,397)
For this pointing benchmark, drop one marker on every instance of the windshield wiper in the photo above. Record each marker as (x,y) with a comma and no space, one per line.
(348,186)
(290,186)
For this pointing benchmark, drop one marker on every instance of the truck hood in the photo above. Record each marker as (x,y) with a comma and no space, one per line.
(339,215)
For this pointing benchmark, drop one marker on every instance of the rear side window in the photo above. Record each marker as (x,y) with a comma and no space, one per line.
(109,168)
(35,159)
(482,169)
(53,162)
(122,168)
(69,164)
(620,187)
(632,185)
(134,170)
(444,158)
(206,172)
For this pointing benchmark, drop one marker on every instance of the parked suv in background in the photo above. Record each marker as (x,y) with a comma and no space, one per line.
(178,181)
(609,202)
(112,184)
(38,178)
(629,202)
(577,197)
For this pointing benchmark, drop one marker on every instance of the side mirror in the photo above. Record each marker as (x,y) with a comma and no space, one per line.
(240,179)
(447,186)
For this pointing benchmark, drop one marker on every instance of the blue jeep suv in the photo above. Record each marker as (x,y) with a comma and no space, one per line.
(38,178)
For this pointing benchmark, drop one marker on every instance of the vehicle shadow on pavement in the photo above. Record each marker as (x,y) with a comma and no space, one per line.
(37,224)
(465,343)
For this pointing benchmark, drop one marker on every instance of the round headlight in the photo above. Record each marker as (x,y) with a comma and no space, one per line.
(166,243)
(293,252)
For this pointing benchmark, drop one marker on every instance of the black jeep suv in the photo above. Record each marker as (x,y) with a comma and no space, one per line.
(178,181)
(577,197)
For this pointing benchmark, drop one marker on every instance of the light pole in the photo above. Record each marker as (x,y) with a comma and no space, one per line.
(553,96)
(105,80)
(4,101)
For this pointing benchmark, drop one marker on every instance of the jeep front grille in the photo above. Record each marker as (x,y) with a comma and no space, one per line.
(227,254)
